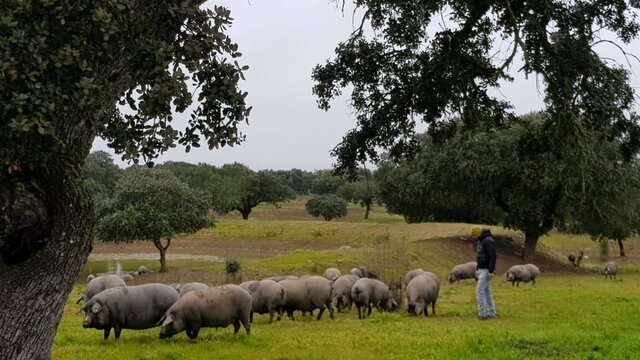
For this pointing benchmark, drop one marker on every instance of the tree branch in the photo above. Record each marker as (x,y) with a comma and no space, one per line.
(626,54)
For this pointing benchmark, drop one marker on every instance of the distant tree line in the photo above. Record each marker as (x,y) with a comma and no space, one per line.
(234,187)
(513,176)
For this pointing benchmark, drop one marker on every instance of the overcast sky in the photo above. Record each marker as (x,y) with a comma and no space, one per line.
(281,41)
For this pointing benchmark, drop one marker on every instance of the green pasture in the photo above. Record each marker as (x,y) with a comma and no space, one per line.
(562,317)
(565,316)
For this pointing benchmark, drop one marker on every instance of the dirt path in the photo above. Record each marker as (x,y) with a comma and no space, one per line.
(152,256)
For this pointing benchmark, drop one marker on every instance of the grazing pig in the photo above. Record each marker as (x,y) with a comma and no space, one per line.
(190,286)
(411,274)
(281,278)
(268,296)
(367,291)
(360,272)
(128,307)
(126,277)
(250,285)
(534,272)
(342,291)
(520,273)
(212,307)
(99,284)
(143,270)
(422,291)
(307,294)
(610,270)
(462,272)
(332,274)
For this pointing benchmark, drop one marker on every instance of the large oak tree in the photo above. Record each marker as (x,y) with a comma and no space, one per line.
(74,70)
(512,177)
(440,62)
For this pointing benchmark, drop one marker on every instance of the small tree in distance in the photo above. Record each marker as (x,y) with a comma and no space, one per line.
(328,206)
(152,205)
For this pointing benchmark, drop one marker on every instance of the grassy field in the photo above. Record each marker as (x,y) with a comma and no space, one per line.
(569,314)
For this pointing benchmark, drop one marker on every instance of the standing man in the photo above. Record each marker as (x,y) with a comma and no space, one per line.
(486,259)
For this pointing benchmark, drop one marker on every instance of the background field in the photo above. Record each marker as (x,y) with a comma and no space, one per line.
(571,313)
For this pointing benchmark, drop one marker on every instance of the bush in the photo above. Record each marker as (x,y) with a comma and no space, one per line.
(232,267)
(327,206)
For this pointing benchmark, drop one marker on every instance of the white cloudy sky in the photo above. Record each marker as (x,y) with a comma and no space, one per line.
(281,41)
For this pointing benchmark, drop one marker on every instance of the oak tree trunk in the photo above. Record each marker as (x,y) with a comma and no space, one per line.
(39,268)
(530,242)
(367,210)
(621,247)
(163,252)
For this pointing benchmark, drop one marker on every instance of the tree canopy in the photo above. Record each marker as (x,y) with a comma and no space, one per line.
(152,205)
(328,206)
(512,176)
(363,191)
(242,189)
(100,175)
(71,71)
(401,72)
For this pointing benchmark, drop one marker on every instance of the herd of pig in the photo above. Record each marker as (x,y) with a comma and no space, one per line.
(110,304)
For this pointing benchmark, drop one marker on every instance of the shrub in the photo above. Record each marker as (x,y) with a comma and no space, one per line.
(232,267)
(327,206)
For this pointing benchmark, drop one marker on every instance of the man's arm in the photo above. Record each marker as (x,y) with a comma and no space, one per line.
(490,248)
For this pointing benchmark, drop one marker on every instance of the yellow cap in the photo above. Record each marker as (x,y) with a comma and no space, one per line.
(476,230)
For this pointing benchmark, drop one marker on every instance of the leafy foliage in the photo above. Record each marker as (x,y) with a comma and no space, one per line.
(153,204)
(363,191)
(100,175)
(242,189)
(87,56)
(402,72)
(516,177)
(328,206)
(232,267)
(74,70)
(150,205)
(325,182)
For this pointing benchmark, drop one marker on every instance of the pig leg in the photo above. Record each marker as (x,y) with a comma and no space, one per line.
(117,330)
(246,324)
(107,330)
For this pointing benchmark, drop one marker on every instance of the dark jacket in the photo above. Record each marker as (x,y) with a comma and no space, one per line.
(486,249)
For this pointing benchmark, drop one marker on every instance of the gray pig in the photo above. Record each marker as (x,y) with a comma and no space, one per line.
(360,272)
(520,273)
(212,307)
(411,274)
(367,291)
(610,270)
(97,285)
(332,274)
(307,294)
(279,278)
(250,285)
(342,291)
(422,291)
(462,272)
(190,286)
(268,297)
(128,307)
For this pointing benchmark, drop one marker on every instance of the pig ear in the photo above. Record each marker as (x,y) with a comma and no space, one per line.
(96,308)
(166,320)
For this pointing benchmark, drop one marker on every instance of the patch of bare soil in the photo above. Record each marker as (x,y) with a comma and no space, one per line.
(207,246)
